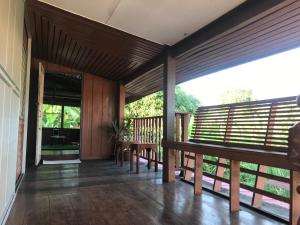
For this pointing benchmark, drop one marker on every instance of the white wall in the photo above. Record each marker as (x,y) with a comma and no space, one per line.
(11,41)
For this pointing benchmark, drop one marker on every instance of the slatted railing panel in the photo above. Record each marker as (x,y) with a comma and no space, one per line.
(149,130)
(259,124)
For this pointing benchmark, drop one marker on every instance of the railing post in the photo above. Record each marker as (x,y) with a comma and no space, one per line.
(169,84)
(198,174)
(294,198)
(184,133)
(234,186)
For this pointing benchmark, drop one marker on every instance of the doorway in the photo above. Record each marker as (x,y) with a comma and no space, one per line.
(60,139)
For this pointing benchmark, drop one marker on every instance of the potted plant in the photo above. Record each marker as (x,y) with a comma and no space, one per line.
(121,134)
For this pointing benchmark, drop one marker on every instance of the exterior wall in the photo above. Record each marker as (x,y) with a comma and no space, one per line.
(98,110)
(11,54)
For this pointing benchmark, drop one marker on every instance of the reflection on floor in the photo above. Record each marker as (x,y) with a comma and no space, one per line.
(99,192)
(60,152)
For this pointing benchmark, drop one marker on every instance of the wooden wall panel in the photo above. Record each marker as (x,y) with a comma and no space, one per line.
(86,117)
(97,118)
(99,103)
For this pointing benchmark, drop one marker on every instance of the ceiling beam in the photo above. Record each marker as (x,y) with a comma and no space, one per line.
(150,65)
(229,20)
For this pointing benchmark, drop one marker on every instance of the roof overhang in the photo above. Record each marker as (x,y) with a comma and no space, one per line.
(252,30)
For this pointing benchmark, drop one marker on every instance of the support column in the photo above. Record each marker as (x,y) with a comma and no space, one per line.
(121,105)
(168,117)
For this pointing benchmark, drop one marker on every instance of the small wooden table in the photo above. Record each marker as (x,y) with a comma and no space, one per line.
(138,147)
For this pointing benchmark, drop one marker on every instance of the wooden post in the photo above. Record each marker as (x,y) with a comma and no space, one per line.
(168,117)
(121,105)
(234,186)
(295,198)
(198,174)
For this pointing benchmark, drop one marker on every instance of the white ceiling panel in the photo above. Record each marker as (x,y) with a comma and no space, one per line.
(161,21)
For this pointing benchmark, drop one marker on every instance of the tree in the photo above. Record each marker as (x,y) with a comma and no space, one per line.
(237,95)
(152,105)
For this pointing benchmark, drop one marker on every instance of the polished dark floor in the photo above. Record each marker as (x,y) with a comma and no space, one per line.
(99,192)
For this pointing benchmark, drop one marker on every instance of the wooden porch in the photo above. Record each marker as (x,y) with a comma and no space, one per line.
(118,63)
(99,192)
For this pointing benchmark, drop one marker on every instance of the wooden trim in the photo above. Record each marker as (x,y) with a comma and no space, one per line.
(234,186)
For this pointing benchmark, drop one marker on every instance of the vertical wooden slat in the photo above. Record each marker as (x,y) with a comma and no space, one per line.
(260,181)
(219,173)
(177,137)
(259,184)
(220,169)
(295,198)
(169,84)
(159,137)
(234,186)
(198,174)
(153,136)
(134,129)
(184,134)
(184,127)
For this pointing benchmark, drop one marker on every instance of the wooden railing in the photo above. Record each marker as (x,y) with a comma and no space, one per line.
(265,124)
(262,125)
(150,129)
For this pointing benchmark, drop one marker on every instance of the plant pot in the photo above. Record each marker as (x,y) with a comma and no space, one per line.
(126,156)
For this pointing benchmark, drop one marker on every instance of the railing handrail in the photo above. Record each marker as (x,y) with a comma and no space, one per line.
(154,117)
(272,100)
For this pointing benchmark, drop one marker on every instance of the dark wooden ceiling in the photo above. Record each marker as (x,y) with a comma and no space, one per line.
(62,89)
(255,29)
(66,39)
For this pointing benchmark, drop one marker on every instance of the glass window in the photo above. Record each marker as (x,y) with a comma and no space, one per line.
(71,117)
(52,116)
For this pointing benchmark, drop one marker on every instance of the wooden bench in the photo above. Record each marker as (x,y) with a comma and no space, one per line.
(255,132)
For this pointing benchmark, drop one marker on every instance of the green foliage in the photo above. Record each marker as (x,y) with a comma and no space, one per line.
(237,95)
(152,105)
(71,117)
(185,102)
(52,116)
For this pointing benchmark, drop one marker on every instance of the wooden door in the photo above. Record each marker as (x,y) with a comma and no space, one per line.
(38,152)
